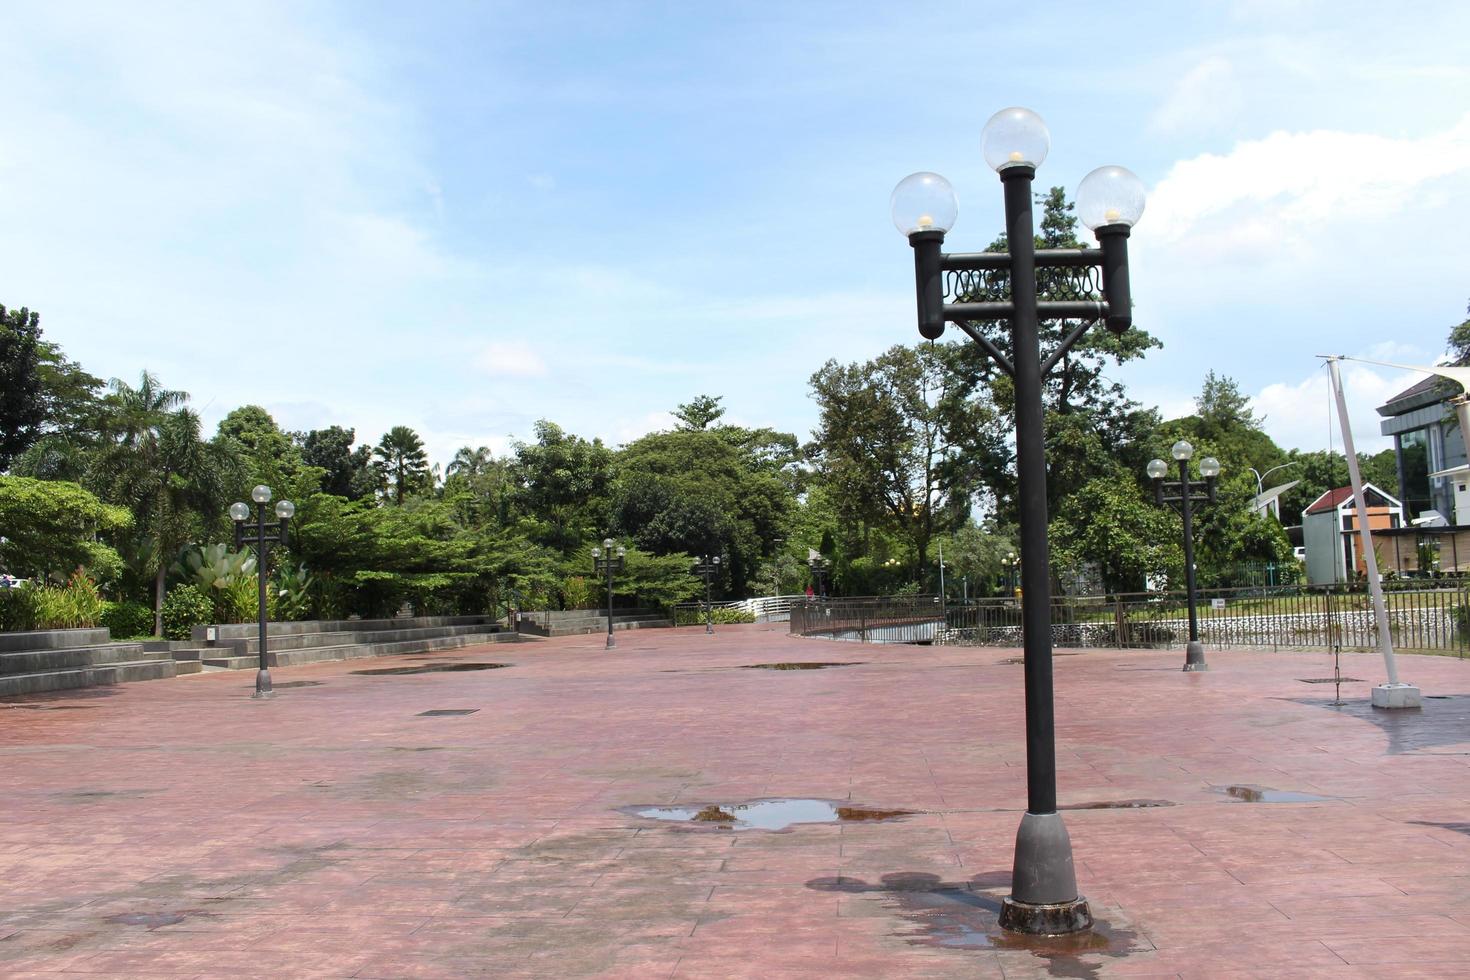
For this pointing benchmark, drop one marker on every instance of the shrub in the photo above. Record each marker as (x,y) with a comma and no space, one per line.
(75,605)
(124,619)
(18,609)
(576,593)
(694,616)
(184,608)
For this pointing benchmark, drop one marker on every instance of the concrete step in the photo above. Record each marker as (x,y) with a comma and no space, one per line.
(40,681)
(52,640)
(357,651)
(335,638)
(597,626)
(248,631)
(64,658)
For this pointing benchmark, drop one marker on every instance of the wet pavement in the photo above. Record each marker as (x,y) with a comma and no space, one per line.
(485,822)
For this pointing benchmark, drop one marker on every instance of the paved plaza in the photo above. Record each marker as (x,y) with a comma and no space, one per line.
(1229,823)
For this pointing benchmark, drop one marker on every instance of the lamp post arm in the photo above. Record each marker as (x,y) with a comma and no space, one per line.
(994,352)
(1067,343)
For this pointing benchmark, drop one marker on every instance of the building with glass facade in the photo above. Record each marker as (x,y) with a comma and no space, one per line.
(1427,443)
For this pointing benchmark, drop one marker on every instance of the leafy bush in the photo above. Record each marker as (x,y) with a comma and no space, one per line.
(75,605)
(694,616)
(185,607)
(18,609)
(124,619)
(237,600)
(576,593)
(291,593)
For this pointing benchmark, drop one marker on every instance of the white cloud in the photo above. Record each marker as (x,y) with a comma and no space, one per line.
(1297,413)
(1208,95)
(511,357)
(1283,187)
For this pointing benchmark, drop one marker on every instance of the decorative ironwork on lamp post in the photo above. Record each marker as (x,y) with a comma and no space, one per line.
(1010,563)
(1184,493)
(263,535)
(603,560)
(709,568)
(1043,895)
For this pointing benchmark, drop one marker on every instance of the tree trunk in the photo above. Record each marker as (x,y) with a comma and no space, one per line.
(158,598)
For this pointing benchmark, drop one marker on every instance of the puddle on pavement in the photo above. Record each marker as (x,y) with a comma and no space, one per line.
(1264,794)
(440,668)
(1331,680)
(966,915)
(57,707)
(1459,828)
(1117,805)
(766,814)
(280,685)
(801,666)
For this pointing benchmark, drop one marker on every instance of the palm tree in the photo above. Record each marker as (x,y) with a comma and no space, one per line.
(400,458)
(470,462)
(156,464)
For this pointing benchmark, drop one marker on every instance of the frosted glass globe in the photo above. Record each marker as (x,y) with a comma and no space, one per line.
(1157,469)
(1110,196)
(923,202)
(1015,136)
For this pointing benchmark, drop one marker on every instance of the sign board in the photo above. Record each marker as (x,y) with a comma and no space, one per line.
(1217,603)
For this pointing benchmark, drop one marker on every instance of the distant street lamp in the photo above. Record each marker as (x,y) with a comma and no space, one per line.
(819,567)
(1010,562)
(603,560)
(1186,493)
(265,535)
(1043,895)
(709,568)
(1261,482)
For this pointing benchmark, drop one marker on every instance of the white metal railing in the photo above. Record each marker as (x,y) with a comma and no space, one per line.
(765,609)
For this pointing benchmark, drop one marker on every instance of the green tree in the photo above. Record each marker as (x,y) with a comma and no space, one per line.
(402,463)
(1459,340)
(477,485)
(347,472)
(700,413)
(22,399)
(267,454)
(562,484)
(52,527)
(898,440)
(1109,526)
(174,482)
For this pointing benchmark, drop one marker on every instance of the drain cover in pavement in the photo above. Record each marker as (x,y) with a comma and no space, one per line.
(447,711)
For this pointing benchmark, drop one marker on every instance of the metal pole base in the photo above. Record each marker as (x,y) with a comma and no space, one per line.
(1045,920)
(709,630)
(1397,696)
(1194,656)
(1044,899)
(610,642)
(263,684)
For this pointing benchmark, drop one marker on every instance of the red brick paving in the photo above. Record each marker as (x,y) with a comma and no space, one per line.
(179,829)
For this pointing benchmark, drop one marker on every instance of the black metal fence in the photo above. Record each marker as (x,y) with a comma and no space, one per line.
(1426,619)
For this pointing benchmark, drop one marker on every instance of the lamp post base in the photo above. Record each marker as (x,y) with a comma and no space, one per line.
(1194,656)
(610,642)
(263,684)
(1397,696)
(709,630)
(1044,899)
(1045,920)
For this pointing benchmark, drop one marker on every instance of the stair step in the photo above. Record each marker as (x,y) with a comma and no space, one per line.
(40,681)
(357,651)
(65,658)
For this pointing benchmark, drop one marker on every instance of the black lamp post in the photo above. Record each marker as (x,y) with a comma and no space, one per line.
(1010,563)
(603,560)
(1043,895)
(263,535)
(708,567)
(819,566)
(1185,493)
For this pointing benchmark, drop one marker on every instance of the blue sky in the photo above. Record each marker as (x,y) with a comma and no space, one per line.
(464,217)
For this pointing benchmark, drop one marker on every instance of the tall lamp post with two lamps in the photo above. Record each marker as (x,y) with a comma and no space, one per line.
(603,560)
(709,568)
(263,535)
(1186,493)
(1015,142)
